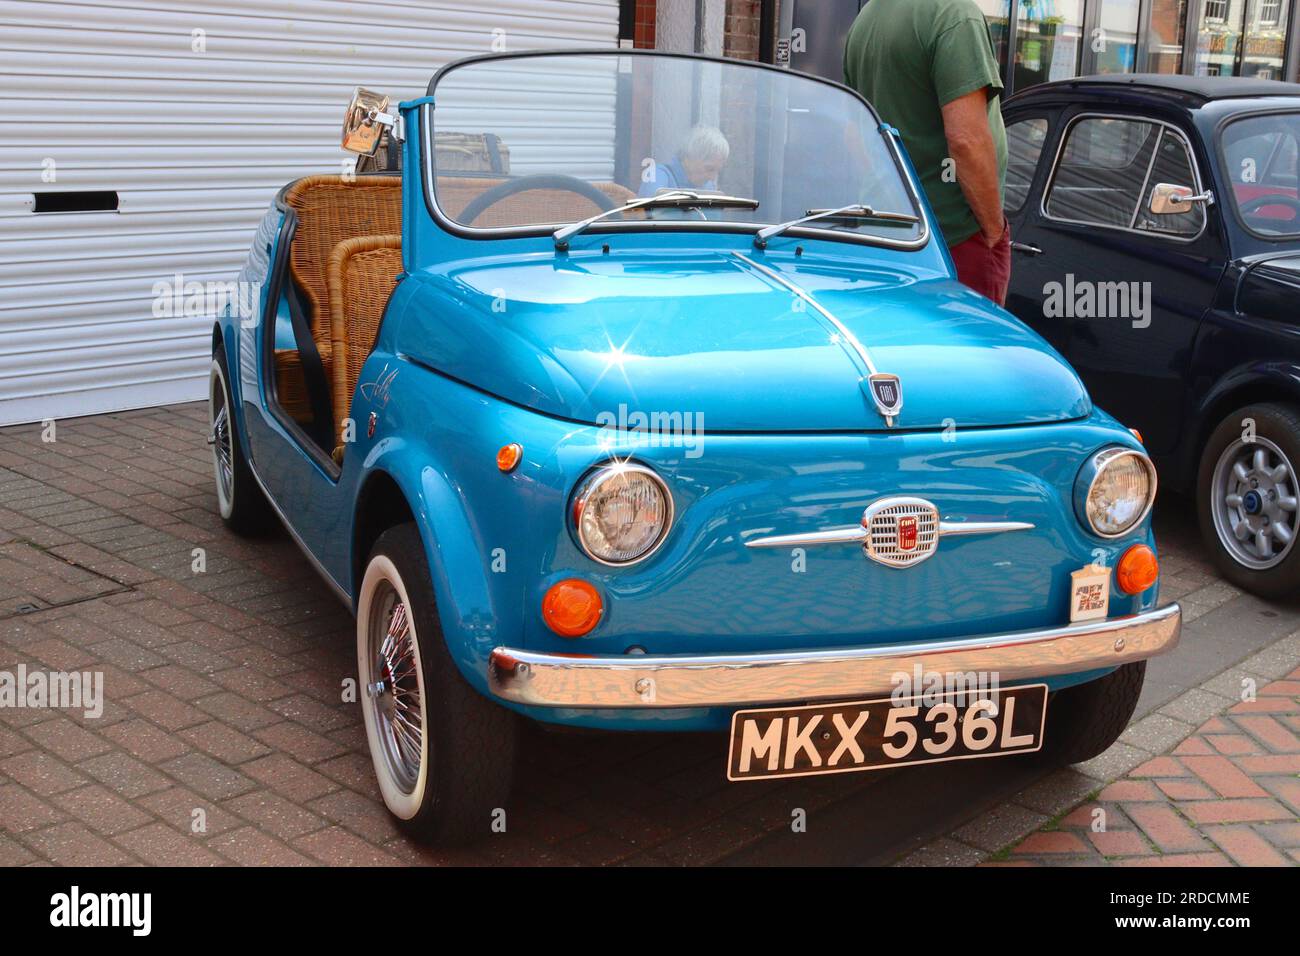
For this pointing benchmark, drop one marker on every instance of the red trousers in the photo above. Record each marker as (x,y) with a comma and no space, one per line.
(984,269)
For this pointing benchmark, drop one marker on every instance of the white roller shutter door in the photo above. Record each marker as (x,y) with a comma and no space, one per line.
(195,115)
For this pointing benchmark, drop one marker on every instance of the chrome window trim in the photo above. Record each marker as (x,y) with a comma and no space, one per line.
(1135,118)
(582,492)
(452,227)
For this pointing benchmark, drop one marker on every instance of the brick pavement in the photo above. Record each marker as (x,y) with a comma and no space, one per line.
(224,737)
(1227,794)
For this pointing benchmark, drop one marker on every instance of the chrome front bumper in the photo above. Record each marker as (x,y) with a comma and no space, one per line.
(732,680)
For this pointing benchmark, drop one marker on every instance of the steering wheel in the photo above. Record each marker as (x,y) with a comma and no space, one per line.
(480,203)
(1259,202)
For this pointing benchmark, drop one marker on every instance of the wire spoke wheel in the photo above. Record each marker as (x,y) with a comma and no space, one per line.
(219,437)
(1253,502)
(394,687)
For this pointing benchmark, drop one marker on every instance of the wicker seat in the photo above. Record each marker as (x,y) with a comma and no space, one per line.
(330,209)
(361,274)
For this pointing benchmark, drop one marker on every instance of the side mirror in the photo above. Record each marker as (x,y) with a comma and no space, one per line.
(1168,199)
(367,118)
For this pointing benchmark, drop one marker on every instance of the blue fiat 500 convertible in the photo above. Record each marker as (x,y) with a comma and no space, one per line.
(635,392)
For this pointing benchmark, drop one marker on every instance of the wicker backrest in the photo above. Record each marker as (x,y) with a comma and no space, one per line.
(531,206)
(361,274)
(331,209)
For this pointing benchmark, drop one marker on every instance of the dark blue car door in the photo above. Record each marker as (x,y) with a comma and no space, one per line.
(1117,288)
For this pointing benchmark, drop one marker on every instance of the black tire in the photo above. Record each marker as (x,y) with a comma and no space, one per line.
(1084,720)
(467,743)
(1277,434)
(240,501)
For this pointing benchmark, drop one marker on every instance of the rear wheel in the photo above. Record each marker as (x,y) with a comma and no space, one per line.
(1246,498)
(443,753)
(239,500)
(1083,721)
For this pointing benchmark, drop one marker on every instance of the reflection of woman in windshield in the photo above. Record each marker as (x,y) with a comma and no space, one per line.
(696,165)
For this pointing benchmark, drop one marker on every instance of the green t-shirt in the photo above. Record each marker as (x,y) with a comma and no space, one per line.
(910,58)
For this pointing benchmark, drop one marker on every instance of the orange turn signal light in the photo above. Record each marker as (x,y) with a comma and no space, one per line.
(1138,435)
(1137,570)
(508,456)
(572,607)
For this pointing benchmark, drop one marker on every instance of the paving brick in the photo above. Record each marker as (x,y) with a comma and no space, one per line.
(1165,828)
(159,845)
(1223,776)
(1234,811)
(227,744)
(1119,842)
(124,774)
(68,740)
(251,847)
(41,773)
(146,741)
(21,810)
(1052,841)
(1245,846)
(208,776)
(289,777)
(1266,729)
(73,844)
(275,814)
(101,810)
(337,847)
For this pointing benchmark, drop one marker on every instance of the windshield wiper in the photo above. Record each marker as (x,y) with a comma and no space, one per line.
(856,211)
(675,198)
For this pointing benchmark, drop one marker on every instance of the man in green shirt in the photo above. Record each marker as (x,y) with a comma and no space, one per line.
(928,68)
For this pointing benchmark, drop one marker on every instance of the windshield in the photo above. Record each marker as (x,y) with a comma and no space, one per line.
(552,139)
(1260,153)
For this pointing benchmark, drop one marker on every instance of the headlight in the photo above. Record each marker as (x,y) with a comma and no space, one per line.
(1115,490)
(621,513)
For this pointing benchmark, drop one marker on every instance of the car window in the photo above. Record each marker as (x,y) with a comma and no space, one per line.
(1172,165)
(1025,139)
(1260,161)
(1101,171)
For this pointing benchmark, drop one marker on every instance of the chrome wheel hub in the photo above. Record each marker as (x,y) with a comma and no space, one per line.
(1253,503)
(393,688)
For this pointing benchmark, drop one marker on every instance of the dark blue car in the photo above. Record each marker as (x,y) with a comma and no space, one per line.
(1156,228)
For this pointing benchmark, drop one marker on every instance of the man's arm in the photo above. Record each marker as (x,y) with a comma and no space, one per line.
(970,145)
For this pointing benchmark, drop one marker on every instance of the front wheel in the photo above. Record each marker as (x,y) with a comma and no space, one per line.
(1246,498)
(1084,720)
(443,753)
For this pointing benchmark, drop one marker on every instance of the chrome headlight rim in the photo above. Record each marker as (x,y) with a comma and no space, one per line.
(588,486)
(1092,470)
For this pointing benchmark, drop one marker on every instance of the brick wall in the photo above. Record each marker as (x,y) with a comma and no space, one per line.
(643,27)
(741,36)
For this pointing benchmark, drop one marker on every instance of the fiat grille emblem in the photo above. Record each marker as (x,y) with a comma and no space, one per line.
(901,532)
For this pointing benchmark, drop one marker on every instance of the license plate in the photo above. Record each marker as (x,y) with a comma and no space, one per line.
(875,734)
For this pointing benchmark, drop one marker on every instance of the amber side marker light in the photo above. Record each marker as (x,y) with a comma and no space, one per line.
(1138,435)
(1138,569)
(572,607)
(508,457)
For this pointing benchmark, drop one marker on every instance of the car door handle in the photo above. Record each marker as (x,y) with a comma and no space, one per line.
(1026,248)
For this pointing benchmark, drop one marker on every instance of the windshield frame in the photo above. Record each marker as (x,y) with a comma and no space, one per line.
(447,224)
(1221,152)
